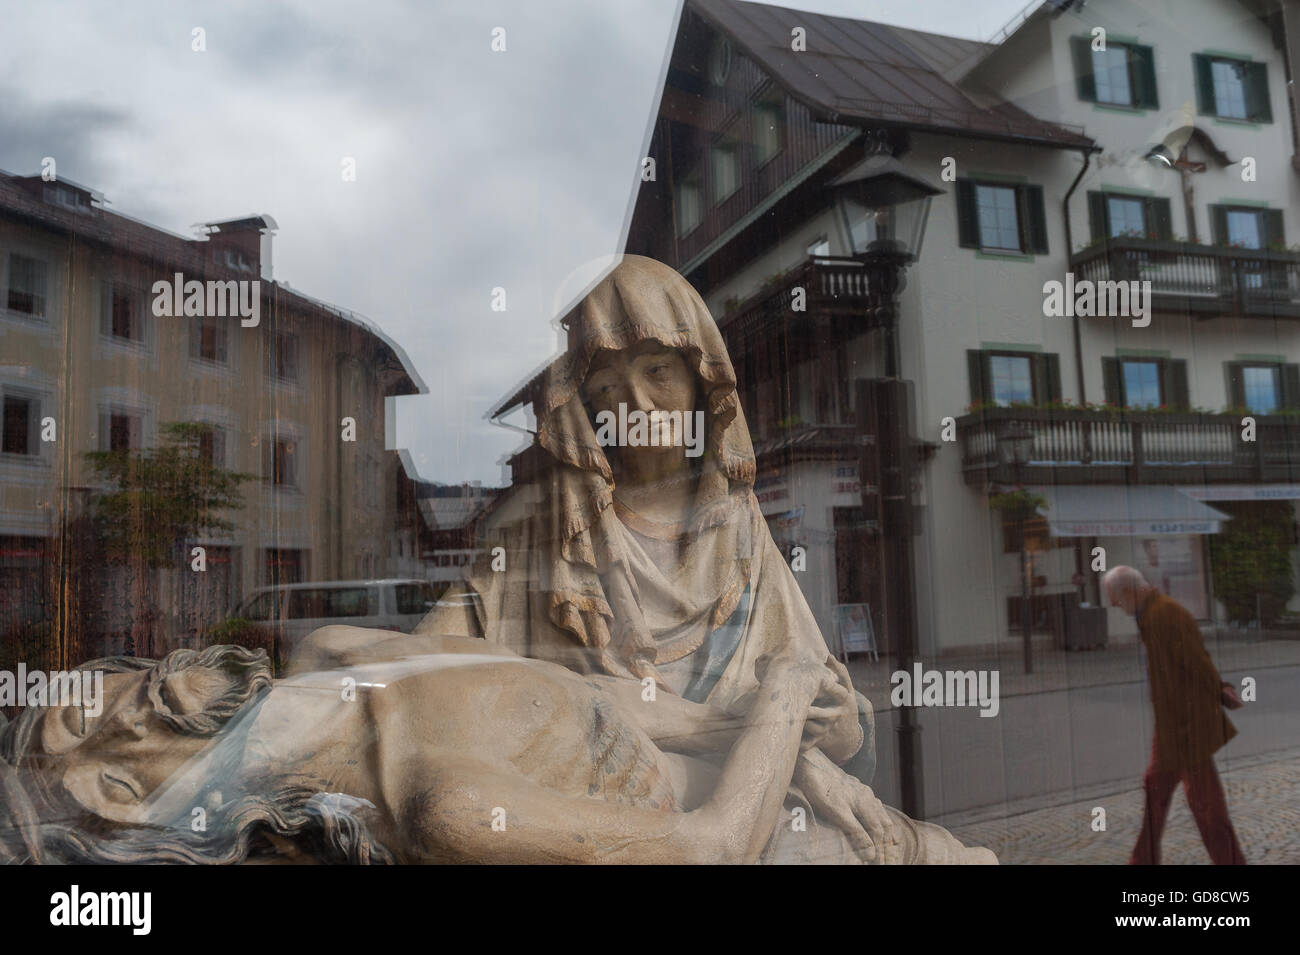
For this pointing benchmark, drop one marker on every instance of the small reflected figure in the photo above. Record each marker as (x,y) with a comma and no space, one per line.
(1188,697)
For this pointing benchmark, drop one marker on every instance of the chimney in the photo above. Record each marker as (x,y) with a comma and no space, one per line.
(243,244)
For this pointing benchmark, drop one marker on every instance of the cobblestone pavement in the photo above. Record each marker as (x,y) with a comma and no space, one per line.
(1263,801)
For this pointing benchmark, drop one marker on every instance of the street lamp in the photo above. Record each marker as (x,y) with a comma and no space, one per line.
(883,209)
(1015,445)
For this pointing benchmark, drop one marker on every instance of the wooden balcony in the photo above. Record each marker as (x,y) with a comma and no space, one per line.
(1131,447)
(838,303)
(1202,280)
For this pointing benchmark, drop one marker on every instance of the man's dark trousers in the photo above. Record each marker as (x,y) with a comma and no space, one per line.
(1209,809)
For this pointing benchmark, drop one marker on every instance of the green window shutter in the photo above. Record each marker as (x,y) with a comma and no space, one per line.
(1142,66)
(1110,382)
(1205,104)
(1173,384)
(1258,107)
(1081,47)
(1047,377)
(977,373)
(1219,225)
(968,228)
(1098,215)
(1159,220)
(1236,385)
(1290,377)
(1033,219)
(1273,234)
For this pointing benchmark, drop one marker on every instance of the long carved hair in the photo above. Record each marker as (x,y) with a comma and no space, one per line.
(41,825)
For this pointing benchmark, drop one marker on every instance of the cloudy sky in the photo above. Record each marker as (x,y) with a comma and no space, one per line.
(474,169)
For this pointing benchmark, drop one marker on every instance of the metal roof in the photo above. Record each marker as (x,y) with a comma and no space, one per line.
(857,71)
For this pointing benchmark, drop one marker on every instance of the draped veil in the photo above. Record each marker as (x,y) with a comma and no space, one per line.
(578,588)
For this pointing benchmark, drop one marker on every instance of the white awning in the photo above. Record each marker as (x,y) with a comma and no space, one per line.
(1098,510)
(1244,492)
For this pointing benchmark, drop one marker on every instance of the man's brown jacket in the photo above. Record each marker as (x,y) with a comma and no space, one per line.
(1186,692)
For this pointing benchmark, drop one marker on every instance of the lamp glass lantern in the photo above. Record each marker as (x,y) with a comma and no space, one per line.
(883,207)
(1015,444)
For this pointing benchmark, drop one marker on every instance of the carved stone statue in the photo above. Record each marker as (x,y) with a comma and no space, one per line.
(419,749)
(631,674)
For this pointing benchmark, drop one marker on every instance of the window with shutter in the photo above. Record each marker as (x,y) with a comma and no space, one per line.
(1001,217)
(1261,387)
(1139,383)
(1006,377)
(1122,74)
(1232,88)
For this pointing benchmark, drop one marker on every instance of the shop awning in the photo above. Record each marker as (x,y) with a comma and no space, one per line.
(1244,492)
(1124,511)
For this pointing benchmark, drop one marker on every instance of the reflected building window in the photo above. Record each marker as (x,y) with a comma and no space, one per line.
(279,465)
(21,423)
(27,286)
(282,356)
(208,341)
(1011,379)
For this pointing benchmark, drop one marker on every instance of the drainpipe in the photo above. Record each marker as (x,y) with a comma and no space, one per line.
(1080,561)
(1069,250)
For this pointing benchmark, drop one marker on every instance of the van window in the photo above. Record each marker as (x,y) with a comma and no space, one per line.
(261,607)
(416,598)
(319,602)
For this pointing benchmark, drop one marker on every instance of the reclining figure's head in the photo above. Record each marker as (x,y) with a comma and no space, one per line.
(153,718)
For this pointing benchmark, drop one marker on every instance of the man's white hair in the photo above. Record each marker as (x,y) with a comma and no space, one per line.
(1121,578)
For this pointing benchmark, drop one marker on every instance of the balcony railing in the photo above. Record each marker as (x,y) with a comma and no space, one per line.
(1131,447)
(837,295)
(1198,278)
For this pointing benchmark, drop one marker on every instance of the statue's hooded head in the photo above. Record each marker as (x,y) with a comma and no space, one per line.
(641,309)
(640,312)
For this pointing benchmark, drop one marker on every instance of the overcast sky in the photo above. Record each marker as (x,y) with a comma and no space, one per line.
(474,169)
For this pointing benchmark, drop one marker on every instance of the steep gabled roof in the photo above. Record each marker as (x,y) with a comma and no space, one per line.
(859,72)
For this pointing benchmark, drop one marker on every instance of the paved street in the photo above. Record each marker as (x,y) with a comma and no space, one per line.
(1076,734)
(1263,801)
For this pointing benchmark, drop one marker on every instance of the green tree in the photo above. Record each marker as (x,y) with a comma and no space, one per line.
(1251,560)
(156,500)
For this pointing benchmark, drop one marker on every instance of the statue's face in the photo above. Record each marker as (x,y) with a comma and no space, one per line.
(646,377)
(112,762)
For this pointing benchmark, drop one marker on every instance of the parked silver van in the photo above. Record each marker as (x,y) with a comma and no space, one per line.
(292,611)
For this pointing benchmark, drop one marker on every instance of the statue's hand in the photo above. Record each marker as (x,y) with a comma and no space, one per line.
(833,718)
(850,806)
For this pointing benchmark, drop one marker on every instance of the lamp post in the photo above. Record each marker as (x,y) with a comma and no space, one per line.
(883,210)
(1015,445)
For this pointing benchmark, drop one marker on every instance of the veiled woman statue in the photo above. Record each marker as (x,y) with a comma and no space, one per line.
(649,559)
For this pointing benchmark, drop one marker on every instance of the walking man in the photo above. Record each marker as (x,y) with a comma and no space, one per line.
(1187,697)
